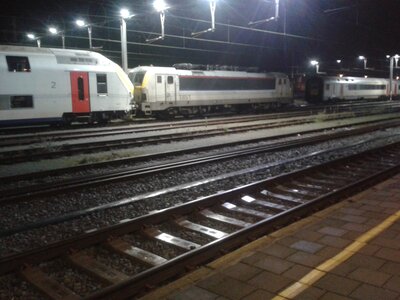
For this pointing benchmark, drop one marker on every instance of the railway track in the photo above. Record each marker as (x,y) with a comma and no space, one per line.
(37,137)
(123,260)
(54,187)
(13,155)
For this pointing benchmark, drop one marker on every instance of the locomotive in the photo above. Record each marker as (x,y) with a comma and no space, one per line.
(44,85)
(332,88)
(186,90)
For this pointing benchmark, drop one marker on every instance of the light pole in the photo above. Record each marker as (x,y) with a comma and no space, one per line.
(316,64)
(361,57)
(82,23)
(393,59)
(31,36)
(54,31)
(125,14)
(160,6)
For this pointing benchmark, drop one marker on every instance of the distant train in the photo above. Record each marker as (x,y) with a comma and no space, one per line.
(171,91)
(42,85)
(331,88)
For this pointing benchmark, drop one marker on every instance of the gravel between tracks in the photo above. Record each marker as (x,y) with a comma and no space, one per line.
(30,211)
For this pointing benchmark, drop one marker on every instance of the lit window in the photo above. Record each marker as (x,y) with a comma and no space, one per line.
(18,64)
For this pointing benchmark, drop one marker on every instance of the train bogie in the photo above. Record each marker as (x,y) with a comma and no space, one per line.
(39,85)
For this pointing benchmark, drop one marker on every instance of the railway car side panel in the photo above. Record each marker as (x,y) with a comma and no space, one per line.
(34,95)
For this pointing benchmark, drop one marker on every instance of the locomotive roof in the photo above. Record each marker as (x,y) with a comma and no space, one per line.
(172,70)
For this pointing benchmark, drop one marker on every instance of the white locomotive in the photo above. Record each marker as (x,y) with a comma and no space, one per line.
(170,91)
(42,85)
(327,88)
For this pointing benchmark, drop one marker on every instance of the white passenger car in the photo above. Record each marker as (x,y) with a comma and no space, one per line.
(171,91)
(42,85)
(328,88)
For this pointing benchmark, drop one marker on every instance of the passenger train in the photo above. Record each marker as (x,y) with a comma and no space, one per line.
(42,85)
(331,88)
(171,91)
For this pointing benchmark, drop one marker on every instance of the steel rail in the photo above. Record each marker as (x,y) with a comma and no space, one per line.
(22,193)
(343,177)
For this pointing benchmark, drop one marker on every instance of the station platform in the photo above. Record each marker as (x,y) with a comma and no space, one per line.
(348,251)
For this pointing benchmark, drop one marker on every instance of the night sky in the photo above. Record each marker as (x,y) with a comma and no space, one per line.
(325,30)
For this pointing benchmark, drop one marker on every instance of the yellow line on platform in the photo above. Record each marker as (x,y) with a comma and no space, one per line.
(308,280)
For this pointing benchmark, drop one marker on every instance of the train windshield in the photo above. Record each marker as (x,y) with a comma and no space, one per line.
(137,77)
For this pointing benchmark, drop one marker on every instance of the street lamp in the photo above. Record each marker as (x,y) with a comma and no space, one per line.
(160,6)
(125,15)
(338,61)
(31,36)
(54,31)
(213,6)
(82,23)
(316,64)
(361,57)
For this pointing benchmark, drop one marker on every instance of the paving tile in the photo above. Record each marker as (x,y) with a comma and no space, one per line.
(370,292)
(269,281)
(193,292)
(361,228)
(254,258)
(352,218)
(351,211)
(393,284)
(308,235)
(328,252)
(241,271)
(312,293)
(258,295)
(333,296)
(297,272)
(277,250)
(306,246)
(386,242)
(287,241)
(365,261)
(370,276)
(337,284)
(274,264)
(226,286)
(306,259)
(344,269)
(332,231)
(389,254)
(334,241)
(391,268)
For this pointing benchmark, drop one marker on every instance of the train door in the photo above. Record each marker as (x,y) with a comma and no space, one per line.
(280,87)
(165,88)
(80,92)
(170,88)
(342,91)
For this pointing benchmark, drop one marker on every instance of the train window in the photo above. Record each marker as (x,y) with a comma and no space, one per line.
(279,81)
(137,77)
(284,81)
(81,89)
(170,80)
(101,83)
(327,86)
(18,64)
(21,102)
(159,79)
